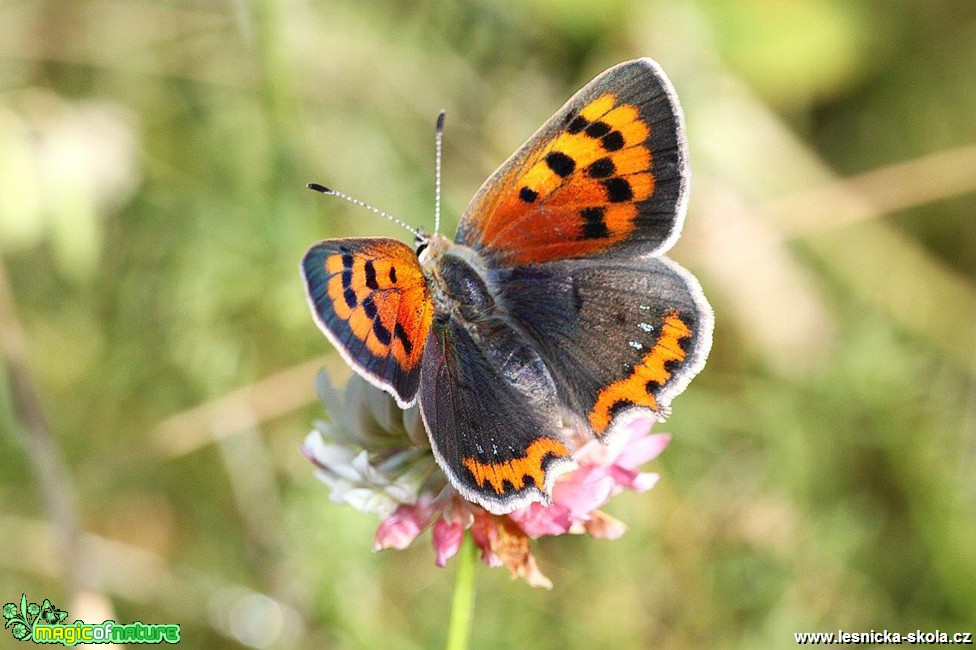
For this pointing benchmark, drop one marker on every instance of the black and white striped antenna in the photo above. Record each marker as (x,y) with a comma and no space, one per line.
(438,140)
(418,234)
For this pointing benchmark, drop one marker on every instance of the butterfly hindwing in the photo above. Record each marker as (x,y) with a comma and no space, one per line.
(607,172)
(490,408)
(618,335)
(371,300)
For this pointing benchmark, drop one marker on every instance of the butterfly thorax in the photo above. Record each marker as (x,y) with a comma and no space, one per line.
(457,280)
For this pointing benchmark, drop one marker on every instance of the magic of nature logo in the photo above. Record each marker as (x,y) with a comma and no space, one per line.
(45,623)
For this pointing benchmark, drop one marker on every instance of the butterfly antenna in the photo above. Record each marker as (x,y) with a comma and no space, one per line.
(330,192)
(438,141)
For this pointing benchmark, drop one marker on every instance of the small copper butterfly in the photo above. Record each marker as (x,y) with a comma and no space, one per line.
(554,306)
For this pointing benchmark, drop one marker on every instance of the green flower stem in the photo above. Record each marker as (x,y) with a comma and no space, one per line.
(462,603)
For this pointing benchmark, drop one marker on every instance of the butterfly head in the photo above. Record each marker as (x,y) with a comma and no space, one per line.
(421,240)
(430,248)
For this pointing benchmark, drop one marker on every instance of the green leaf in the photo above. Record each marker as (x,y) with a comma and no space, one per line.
(23,606)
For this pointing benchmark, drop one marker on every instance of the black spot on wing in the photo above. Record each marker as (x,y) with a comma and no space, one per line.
(371,276)
(401,335)
(560,163)
(382,333)
(619,406)
(576,124)
(369,307)
(597,130)
(618,190)
(594,226)
(528,195)
(613,141)
(601,168)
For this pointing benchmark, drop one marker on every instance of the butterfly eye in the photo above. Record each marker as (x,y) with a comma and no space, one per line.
(420,248)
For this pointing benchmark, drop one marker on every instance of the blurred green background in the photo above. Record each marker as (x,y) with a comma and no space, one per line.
(159,355)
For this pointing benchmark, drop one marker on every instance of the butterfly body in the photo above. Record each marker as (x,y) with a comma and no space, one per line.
(552,309)
(458,279)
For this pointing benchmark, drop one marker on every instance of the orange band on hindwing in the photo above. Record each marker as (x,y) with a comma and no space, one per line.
(518,470)
(647,378)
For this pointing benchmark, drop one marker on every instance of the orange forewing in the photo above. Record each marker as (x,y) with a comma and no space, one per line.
(575,194)
(371,299)
(389,278)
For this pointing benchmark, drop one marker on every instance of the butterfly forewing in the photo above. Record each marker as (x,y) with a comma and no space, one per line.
(371,300)
(608,172)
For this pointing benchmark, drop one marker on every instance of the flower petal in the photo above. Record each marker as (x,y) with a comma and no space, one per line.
(446,536)
(367,500)
(335,459)
(644,481)
(584,490)
(402,527)
(642,449)
(512,548)
(538,520)
(603,526)
(484,532)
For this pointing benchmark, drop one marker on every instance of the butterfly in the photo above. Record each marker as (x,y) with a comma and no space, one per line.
(553,307)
